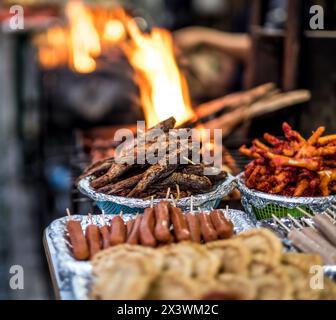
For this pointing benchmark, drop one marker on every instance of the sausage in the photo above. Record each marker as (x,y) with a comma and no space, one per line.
(179,222)
(129,226)
(161,231)
(80,248)
(133,238)
(321,241)
(207,230)
(147,228)
(326,227)
(92,235)
(171,240)
(194,227)
(105,236)
(118,231)
(307,245)
(223,227)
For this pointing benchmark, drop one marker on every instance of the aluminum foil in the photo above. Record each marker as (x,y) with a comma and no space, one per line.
(329,271)
(74,277)
(203,201)
(251,198)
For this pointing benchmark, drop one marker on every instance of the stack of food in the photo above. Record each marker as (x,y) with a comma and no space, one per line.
(251,265)
(182,176)
(294,166)
(158,226)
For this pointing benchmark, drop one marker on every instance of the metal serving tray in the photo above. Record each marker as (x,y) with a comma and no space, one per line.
(71,278)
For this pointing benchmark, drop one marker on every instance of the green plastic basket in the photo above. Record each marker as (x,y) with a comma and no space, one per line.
(278,211)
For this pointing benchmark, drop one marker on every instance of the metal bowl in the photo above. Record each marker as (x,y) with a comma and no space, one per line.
(114,204)
(262,205)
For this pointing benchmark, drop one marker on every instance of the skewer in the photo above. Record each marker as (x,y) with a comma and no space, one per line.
(334,207)
(305,212)
(90,218)
(309,223)
(149,197)
(102,221)
(227,210)
(103,217)
(295,221)
(178,191)
(280,223)
(331,215)
(173,201)
(121,214)
(152,202)
(68,213)
(168,193)
(192,205)
(331,212)
(191,162)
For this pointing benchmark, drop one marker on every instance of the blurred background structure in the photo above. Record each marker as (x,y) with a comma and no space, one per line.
(51,107)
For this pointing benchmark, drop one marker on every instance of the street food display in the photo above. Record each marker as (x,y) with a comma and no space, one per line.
(158,226)
(251,265)
(166,252)
(144,180)
(293,166)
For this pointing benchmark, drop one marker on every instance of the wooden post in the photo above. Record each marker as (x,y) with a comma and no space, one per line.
(292,45)
(255,22)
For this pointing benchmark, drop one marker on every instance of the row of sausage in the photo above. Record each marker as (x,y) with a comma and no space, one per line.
(159,225)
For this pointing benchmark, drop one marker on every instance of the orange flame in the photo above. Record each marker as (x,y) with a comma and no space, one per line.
(163,88)
(114,31)
(84,42)
(52,51)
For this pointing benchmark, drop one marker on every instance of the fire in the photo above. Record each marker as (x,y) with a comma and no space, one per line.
(114,31)
(81,42)
(84,44)
(52,52)
(163,88)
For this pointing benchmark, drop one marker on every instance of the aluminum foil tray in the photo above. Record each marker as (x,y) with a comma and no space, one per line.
(114,204)
(72,278)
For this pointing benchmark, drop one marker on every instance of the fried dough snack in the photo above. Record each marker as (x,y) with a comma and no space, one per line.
(128,279)
(248,266)
(176,262)
(201,262)
(329,291)
(273,285)
(111,256)
(293,167)
(264,245)
(234,256)
(228,287)
(174,287)
(298,268)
